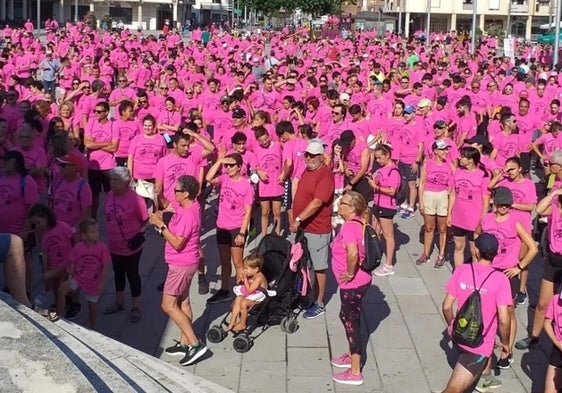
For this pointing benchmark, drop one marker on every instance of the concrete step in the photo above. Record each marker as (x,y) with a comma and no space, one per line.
(41,356)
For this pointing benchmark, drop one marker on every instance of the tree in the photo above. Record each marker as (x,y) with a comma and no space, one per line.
(318,7)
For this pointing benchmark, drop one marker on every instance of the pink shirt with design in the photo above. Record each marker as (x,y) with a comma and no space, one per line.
(146,151)
(470,188)
(101,133)
(89,262)
(186,223)
(234,197)
(69,199)
(56,244)
(495,292)
(438,176)
(169,169)
(17,194)
(126,131)
(387,176)
(269,160)
(508,239)
(554,313)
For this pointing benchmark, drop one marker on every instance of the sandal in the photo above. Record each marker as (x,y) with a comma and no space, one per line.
(52,316)
(135,315)
(113,309)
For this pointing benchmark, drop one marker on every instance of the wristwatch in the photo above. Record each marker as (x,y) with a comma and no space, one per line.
(162,228)
(298,219)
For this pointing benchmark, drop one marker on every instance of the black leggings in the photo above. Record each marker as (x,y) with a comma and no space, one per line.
(127,265)
(350,315)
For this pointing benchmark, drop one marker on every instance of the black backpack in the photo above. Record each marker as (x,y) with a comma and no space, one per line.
(468,324)
(373,248)
(402,190)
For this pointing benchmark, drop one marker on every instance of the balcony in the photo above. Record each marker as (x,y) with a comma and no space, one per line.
(519,8)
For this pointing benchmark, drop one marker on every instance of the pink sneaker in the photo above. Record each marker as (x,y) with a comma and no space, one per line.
(344,361)
(347,378)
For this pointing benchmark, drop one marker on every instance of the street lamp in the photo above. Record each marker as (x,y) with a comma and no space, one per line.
(557,32)
(474,12)
(508,32)
(427,31)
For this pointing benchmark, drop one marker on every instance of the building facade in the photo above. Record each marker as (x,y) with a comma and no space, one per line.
(448,15)
(145,14)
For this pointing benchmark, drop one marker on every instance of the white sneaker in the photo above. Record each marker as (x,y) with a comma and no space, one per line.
(384,270)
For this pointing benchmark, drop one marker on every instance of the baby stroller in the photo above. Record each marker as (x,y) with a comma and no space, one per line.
(286,267)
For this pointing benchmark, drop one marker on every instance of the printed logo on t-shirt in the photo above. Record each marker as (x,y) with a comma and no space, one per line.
(88,268)
(464,189)
(6,194)
(470,287)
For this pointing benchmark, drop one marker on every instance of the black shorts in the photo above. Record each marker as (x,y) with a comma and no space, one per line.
(461,232)
(271,199)
(5,242)
(363,187)
(472,362)
(406,171)
(226,237)
(525,162)
(98,180)
(514,283)
(553,268)
(383,212)
(555,358)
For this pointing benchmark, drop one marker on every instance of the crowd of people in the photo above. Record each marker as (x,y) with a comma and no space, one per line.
(315,136)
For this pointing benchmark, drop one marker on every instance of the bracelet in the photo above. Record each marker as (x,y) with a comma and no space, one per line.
(519,267)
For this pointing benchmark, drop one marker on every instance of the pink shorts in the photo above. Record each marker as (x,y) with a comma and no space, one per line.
(178,279)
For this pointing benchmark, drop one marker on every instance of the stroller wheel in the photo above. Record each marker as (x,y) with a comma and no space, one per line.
(283,324)
(292,326)
(216,334)
(242,343)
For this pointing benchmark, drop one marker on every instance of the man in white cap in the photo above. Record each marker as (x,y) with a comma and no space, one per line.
(312,209)
(50,68)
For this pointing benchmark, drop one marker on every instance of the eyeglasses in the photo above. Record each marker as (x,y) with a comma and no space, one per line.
(122,80)
(163,88)
(229,165)
(98,111)
(151,86)
(188,92)
(85,87)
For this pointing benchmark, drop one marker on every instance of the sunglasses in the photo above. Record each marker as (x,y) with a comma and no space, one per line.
(75,83)
(122,80)
(85,87)
(309,155)
(99,111)
(336,113)
(229,165)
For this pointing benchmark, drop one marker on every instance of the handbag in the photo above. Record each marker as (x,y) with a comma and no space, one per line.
(136,241)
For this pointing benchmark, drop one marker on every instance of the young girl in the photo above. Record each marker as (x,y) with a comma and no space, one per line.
(89,261)
(56,243)
(247,294)
(553,328)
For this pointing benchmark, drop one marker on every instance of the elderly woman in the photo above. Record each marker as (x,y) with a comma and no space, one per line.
(181,253)
(348,250)
(126,216)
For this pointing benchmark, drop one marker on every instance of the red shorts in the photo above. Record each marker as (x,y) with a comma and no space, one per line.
(178,279)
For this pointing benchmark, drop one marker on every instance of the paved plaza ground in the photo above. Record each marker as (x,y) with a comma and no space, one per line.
(406,349)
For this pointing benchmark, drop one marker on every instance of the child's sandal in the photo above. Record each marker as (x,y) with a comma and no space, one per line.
(52,316)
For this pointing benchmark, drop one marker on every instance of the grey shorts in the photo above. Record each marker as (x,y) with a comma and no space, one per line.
(319,248)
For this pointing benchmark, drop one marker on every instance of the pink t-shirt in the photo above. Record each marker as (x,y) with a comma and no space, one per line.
(269,160)
(125,216)
(101,133)
(234,197)
(89,262)
(549,143)
(56,244)
(387,176)
(17,194)
(353,158)
(36,157)
(69,199)
(495,292)
(185,223)
(126,131)
(438,176)
(555,228)
(507,145)
(169,169)
(470,188)
(508,239)
(146,151)
(411,135)
(524,192)
(554,313)
(351,233)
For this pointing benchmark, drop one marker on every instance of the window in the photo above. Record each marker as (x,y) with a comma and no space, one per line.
(122,14)
(494,5)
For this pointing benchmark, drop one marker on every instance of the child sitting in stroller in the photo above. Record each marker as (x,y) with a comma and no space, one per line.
(248,293)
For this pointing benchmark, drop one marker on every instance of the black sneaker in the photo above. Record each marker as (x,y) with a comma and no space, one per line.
(73,311)
(178,349)
(203,285)
(505,363)
(220,296)
(521,298)
(527,342)
(193,353)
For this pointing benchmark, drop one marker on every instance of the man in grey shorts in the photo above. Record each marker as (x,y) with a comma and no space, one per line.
(11,255)
(312,209)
